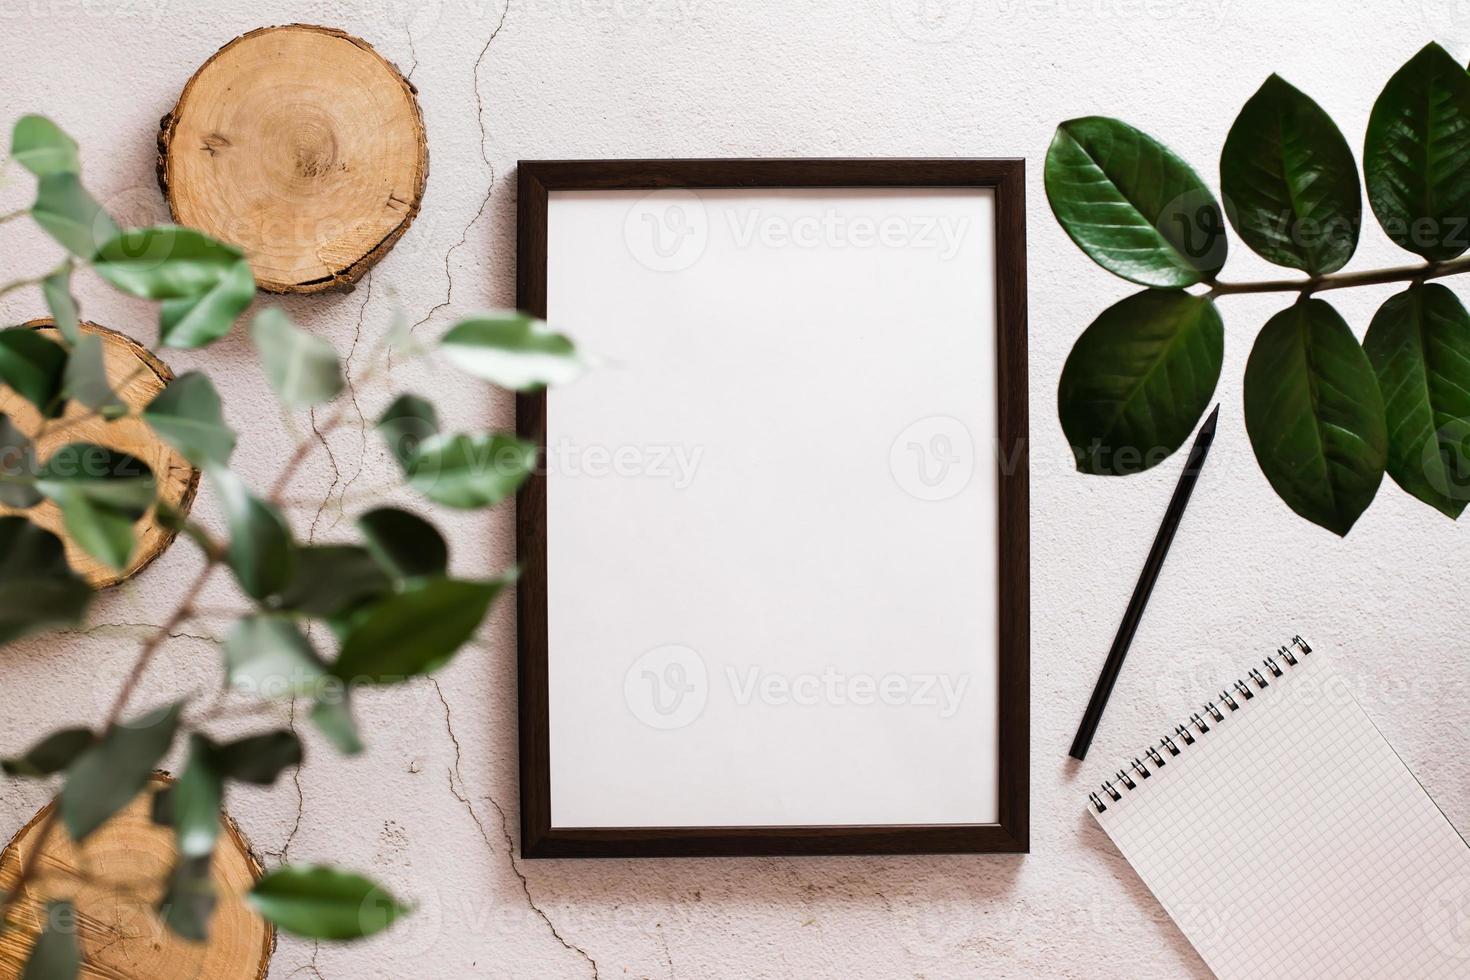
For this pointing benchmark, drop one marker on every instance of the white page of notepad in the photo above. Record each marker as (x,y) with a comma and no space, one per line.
(1291,841)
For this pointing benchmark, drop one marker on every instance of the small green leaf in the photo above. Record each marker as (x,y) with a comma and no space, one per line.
(165,262)
(50,755)
(56,955)
(323,903)
(38,589)
(416,632)
(258,759)
(195,321)
(261,552)
(332,579)
(1419,346)
(512,350)
(106,777)
(1290,181)
(67,213)
(1138,380)
(35,367)
(188,905)
(18,467)
(468,471)
(1315,416)
(333,718)
(406,545)
(56,288)
(303,369)
(196,800)
(405,425)
(187,415)
(101,494)
(269,656)
(85,379)
(1417,156)
(1132,205)
(39,145)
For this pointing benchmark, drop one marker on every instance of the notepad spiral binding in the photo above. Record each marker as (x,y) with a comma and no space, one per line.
(1200,725)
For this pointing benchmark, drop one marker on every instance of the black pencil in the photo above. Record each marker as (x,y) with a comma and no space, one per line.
(1145,587)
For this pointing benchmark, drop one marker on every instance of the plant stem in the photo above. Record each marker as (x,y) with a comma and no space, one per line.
(1345,280)
(181,614)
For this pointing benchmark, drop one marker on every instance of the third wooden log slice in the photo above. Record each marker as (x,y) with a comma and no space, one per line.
(304,147)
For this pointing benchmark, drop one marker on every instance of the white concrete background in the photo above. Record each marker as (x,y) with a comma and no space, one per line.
(431,808)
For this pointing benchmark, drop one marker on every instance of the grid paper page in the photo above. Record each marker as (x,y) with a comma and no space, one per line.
(1291,841)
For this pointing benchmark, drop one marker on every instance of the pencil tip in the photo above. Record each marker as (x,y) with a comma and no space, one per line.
(1214,417)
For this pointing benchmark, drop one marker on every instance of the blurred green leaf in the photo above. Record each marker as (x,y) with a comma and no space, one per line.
(512,350)
(1132,205)
(331,579)
(269,656)
(324,903)
(50,755)
(1417,156)
(1315,416)
(303,369)
(108,775)
(85,379)
(196,800)
(165,262)
(333,718)
(194,321)
(416,632)
(187,415)
(406,545)
(56,288)
(1290,181)
(38,589)
(468,471)
(162,809)
(18,467)
(56,955)
(39,145)
(258,759)
(101,494)
(35,367)
(188,905)
(261,552)
(405,425)
(67,213)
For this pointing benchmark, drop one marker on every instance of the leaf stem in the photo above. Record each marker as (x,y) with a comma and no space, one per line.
(1345,280)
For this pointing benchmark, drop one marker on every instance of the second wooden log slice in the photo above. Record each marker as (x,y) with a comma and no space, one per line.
(302,146)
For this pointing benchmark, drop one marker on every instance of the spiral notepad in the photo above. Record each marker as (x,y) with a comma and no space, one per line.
(1286,838)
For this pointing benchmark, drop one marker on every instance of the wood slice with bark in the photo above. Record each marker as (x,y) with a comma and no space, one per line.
(136,376)
(304,147)
(115,879)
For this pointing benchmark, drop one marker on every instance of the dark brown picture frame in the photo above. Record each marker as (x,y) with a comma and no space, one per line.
(1010,834)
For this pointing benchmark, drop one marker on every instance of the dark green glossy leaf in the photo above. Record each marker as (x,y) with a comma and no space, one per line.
(165,262)
(106,777)
(56,288)
(56,955)
(258,759)
(39,145)
(1417,156)
(189,903)
(101,494)
(187,415)
(196,800)
(405,425)
(194,321)
(406,545)
(85,379)
(1138,380)
(38,589)
(1315,416)
(1419,346)
(512,350)
(261,552)
(415,632)
(332,579)
(468,471)
(323,903)
(70,215)
(333,718)
(50,755)
(303,369)
(34,366)
(18,467)
(270,657)
(1132,205)
(1290,181)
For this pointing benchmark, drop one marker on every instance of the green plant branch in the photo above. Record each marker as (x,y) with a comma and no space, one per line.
(1345,280)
